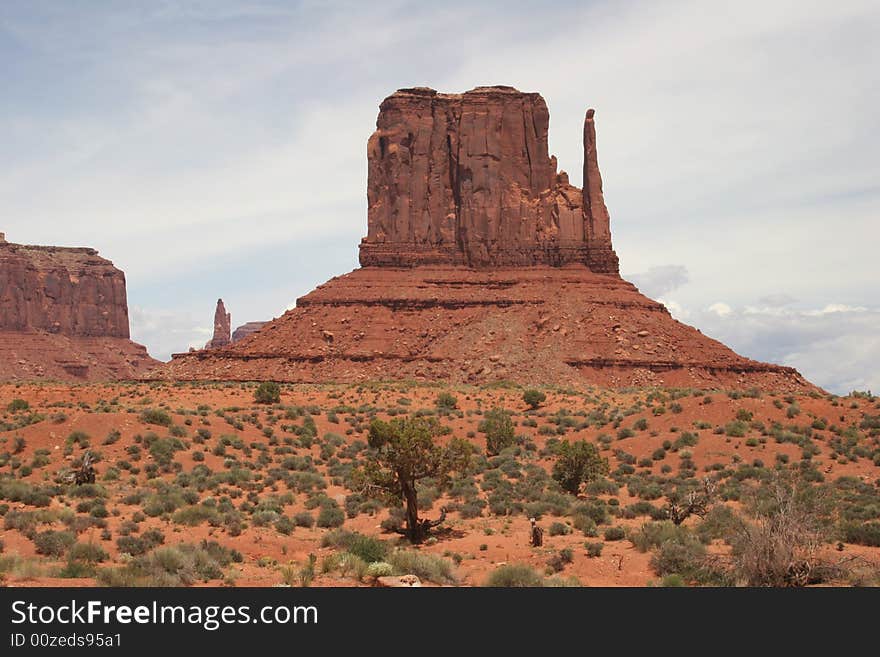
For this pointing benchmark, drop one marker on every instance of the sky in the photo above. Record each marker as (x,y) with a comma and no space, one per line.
(218,149)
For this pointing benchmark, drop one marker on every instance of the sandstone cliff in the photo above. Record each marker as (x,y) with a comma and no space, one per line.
(71,291)
(466,179)
(64,315)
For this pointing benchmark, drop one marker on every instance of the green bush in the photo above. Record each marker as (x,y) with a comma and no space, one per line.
(367,548)
(268,392)
(514,576)
(54,543)
(614,534)
(304,519)
(88,552)
(865,533)
(499,430)
(577,463)
(156,416)
(558,560)
(17,405)
(423,565)
(380,569)
(685,558)
(331,516)
(138,545)
(534,398)
(446,402)
(559,529)
(736,429)
(594,548)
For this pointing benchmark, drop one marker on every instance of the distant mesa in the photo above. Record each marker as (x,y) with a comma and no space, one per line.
(481,263)
(64,315)
(246,330)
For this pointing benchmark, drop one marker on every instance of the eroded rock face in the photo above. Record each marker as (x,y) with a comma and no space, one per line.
(69,291)
(481,264)
(64,315)
(222,327)
(466,179)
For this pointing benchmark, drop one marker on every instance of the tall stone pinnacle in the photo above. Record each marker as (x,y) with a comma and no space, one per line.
(222,327)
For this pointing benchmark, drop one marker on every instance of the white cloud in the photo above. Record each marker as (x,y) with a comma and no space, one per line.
(167,331)
(720,308)
(836,347)
(660,279)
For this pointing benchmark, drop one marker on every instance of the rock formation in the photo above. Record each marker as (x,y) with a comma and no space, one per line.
(466,179)
(481,263)
(64,314)
(222,327)
(247,329)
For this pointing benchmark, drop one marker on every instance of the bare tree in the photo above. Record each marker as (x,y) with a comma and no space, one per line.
(695,503)
(780,547)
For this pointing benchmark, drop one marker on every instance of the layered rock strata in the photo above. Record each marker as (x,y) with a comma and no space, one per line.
(64,315)
(481,263)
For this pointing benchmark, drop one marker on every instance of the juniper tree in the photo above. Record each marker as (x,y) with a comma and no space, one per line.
(406,450)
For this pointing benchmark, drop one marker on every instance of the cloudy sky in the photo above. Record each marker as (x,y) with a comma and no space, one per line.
(217,149)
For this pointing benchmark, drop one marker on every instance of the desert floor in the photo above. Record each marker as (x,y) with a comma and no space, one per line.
(197,484)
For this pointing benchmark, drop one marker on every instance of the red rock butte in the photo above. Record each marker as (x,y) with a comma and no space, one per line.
(481,263)
(64,315)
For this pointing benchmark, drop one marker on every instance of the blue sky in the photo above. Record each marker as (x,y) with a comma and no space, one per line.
(217,149)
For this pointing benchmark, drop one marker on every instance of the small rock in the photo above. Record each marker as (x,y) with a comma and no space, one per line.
(401,582)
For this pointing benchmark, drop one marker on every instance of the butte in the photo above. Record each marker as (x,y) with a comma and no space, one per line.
(481,263)
(64,316)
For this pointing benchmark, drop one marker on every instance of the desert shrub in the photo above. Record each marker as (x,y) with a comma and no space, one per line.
(736,429)
(614,533)
(88,552)
(424,565)
(156,416)
(577,463)
(534,398)
(112,436)
(368,548)
(304,519)
(865,533)
(195,515)
(179,565)
(594,548)
(685,557)
(380,569)
(514,576)
(54,543)
(652,535)
(331,516)
(559,529)
(780,546)
(17,405)
(720,522)
(268,392)
(446,402)
(558,560)
(499,430)
(673,581)
(137,545)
